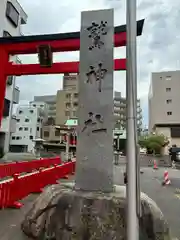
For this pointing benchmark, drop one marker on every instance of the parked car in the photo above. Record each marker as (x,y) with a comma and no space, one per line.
(174,152)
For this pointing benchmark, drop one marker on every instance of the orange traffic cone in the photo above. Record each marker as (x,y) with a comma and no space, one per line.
(166,181)
(155,165)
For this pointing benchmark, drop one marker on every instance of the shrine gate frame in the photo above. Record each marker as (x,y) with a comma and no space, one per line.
(63,42)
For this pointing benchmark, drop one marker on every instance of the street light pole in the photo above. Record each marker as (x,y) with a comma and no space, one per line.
(68,130)
(131,95)
(67,143)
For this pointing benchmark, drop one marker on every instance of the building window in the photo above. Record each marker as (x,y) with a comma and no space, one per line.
(26,120)
(50,121)
(57,133)
(168,89)
(52,107)
(18,120)
(6,108)
(74,114)
(75,95)
(13,138)
(41,106)
(68,95)
(26,129)
(169,101)
(168,78)
(34,105)
(175,132)
(46,134)
(20,111)
(38,120)
(68,105)
(20,129)
(31,137)
(18,138)
(37,128)
(6,34)
(75,104)
(12,14)
(67,113)
(169,113)
(31,111)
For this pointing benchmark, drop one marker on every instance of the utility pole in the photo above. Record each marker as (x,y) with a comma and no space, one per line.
(68,130)
(67,143)
(131,95)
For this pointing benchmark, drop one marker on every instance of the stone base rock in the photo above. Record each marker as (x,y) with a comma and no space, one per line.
(61,213)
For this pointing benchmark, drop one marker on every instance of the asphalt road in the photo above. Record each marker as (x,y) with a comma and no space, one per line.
(167,198)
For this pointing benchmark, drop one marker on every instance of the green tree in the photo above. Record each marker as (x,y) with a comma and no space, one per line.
(153,142)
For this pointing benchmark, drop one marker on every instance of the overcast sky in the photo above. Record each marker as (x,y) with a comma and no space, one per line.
(158,47)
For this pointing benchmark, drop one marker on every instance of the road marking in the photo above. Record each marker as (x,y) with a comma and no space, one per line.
(177,190)
(177,195)
(159,181)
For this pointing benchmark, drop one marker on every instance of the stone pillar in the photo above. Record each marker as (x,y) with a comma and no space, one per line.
(94,169)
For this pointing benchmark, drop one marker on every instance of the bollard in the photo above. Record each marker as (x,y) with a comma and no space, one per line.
(166,181)
(173,165)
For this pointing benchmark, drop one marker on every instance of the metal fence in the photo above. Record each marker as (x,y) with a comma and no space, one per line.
(145,160)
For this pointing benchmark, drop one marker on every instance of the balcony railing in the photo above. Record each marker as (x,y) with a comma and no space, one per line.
(119,104)
(119,110)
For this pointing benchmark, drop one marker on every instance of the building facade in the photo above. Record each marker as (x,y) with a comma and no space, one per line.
(164,98)
(30,119)
(65,104)
(67,99)
(12,16)
(120,112)
(50,100)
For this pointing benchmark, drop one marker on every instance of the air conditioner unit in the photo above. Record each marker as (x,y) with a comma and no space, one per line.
(9,80)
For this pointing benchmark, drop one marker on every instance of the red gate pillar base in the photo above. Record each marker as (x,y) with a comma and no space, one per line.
(16,205)
(38,191)
(66,177)
(54,182)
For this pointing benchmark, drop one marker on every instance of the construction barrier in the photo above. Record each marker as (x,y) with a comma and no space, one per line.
(11,191)
(9,169)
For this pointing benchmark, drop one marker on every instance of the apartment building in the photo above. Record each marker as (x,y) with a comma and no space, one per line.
(30,119)
(12,17)
(66,108)
(120,112)
(50,100)
(164,99)
(67,99)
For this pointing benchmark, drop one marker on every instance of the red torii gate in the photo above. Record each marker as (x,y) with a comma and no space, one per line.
(62,42)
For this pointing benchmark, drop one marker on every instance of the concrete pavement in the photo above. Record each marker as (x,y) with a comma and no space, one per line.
(167,198)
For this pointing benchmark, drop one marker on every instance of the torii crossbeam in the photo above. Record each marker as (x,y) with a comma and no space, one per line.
(63,42)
